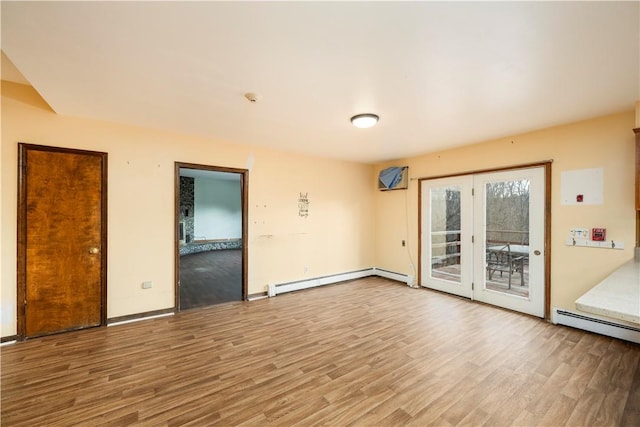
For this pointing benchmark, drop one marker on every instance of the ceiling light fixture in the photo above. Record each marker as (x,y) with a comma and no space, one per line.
(364,121)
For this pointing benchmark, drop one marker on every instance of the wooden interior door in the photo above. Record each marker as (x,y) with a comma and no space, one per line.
(61,240)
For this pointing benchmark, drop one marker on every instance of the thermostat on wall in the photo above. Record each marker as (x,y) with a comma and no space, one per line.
(598,234)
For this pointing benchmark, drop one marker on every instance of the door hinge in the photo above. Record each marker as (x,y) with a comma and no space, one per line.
(473,239)
(473,191)
(472,286)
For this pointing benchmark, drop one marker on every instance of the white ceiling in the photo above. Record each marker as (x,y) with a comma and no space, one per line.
(438,74)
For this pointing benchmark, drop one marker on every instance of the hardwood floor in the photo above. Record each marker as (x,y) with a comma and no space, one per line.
(211,277)
(367,352)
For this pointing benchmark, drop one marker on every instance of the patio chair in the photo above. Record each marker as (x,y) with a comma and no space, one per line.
(500,259)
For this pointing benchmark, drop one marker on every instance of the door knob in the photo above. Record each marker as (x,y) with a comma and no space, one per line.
(94,251)
(536,252)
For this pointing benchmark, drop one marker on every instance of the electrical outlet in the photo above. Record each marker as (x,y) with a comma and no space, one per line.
(306,269)
(147,285)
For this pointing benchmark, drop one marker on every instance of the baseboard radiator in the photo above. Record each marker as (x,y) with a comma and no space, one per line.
(281,288)
(596,324)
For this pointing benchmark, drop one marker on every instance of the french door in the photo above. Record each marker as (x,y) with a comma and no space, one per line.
(483,237)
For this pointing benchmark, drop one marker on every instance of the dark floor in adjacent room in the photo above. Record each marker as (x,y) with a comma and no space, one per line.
(211,277)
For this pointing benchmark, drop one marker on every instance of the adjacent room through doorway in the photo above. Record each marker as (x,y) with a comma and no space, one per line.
(210,235)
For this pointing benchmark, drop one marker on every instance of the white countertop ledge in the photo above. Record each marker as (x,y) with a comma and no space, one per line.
(617,296)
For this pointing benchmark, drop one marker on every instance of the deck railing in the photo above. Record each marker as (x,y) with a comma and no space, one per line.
(514,237)
(445,248)
(445,245)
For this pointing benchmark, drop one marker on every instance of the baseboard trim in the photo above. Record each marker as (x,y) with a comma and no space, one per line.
(121,320)
(281,288)
(257,296)
(9,339)
(597,324)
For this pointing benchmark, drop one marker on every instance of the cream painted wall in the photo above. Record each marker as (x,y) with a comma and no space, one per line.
(351,226)
(335,238)
(606,142)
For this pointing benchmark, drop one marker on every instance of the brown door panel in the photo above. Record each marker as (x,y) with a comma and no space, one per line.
(64,221)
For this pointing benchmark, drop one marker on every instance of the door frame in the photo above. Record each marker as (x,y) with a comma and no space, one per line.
(23,149)
(244,190)
(546,164)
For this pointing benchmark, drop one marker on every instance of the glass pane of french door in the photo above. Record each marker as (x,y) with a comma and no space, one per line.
(445,233)
(507,236)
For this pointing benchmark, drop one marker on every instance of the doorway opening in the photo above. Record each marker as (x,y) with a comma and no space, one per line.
(210,235)
(484,236)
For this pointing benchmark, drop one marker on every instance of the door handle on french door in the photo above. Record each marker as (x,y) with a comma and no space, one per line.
(94,251)
(537,252)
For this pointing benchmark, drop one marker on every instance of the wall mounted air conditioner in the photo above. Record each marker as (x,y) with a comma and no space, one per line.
(393,178)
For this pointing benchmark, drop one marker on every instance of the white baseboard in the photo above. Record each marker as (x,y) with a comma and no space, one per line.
(598,324)
(138,319)
(276,289)
(391,275)
(318,281)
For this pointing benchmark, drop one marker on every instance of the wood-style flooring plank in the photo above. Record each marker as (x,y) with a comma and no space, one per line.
(367,352)
(631,413)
